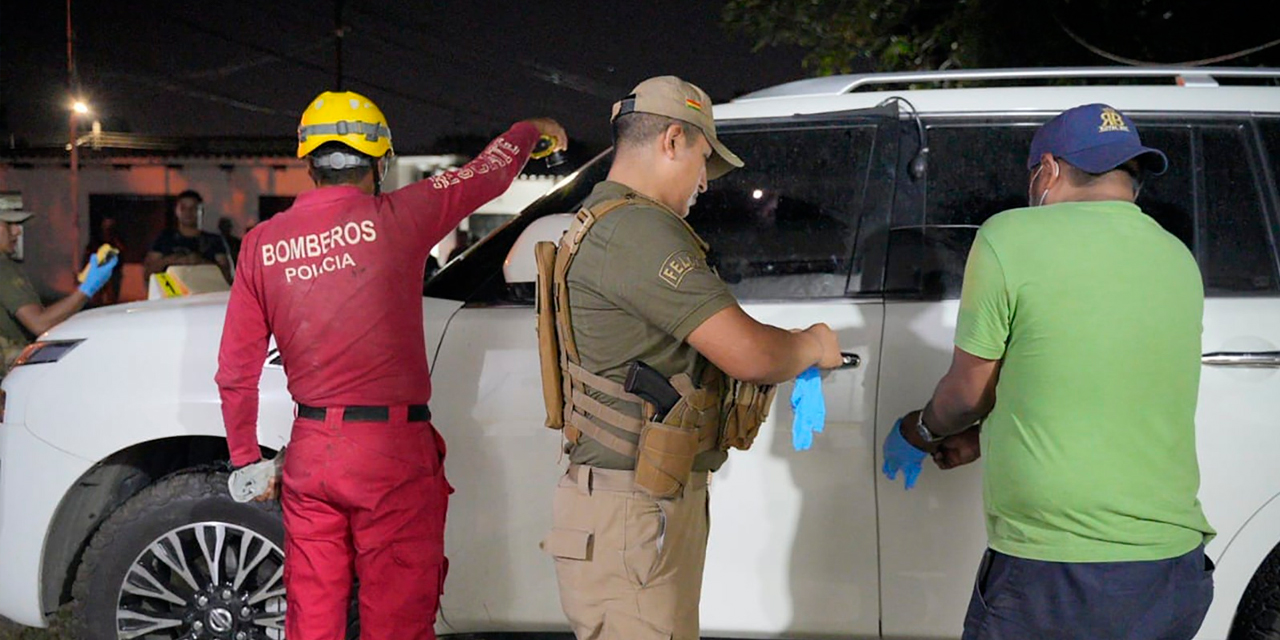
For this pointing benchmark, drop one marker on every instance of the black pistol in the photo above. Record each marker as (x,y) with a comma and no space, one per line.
(645,381)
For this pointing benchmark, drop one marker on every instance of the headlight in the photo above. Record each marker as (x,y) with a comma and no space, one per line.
(44,351)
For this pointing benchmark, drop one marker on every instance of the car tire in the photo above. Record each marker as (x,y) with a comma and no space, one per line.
(184,560)
(1258,616)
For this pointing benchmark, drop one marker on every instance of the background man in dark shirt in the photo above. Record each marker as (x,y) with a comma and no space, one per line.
(186,244)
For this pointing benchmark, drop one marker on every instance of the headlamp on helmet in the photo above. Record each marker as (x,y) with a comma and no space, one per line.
(339,160)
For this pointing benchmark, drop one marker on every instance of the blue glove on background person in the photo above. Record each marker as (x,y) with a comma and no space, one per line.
(900,455)
(98,275)
(809,407)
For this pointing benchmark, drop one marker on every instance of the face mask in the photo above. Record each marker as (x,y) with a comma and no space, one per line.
(1031,201)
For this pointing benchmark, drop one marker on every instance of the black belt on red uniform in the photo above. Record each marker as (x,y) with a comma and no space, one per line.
(417,413)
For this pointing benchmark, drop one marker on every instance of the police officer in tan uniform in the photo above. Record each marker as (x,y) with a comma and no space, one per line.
(631,513)
(22,315)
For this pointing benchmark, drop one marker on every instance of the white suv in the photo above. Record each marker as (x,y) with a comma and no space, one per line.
(856,208)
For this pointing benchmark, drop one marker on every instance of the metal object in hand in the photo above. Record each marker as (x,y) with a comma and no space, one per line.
(543,149)
(251,481)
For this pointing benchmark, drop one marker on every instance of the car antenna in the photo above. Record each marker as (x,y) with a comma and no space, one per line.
(920,163)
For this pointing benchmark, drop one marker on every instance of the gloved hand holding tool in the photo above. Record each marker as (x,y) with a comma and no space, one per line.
(809,407)
(900,455)
(257,481)
(98,271)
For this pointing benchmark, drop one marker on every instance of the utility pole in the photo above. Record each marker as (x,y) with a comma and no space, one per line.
(339,31)
(71,120)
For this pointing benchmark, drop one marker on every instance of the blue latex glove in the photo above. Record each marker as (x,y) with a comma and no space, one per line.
(98,274)
(901,455)
(810,410)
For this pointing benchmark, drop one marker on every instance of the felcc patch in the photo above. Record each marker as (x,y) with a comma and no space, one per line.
(676,267)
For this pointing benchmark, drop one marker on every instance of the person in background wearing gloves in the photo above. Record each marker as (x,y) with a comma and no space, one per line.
(337,280)
(1078,347)
(24,316)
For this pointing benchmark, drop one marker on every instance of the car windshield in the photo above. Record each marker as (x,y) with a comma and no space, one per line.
(477,275)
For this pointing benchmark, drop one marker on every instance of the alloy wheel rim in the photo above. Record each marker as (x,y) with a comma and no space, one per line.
(205,580)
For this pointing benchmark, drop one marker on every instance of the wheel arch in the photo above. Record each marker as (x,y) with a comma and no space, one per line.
(1238,563)
(101,490)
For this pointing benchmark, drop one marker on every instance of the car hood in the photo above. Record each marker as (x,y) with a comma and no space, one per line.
(157,316)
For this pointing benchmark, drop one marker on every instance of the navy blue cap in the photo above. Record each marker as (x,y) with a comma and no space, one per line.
(1096,139)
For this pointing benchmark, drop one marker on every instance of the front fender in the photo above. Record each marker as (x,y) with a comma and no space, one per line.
(1237,563)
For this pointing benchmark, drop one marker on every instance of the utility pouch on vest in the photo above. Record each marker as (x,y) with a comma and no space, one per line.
(665,459)
(548,346)
(564,381)
(667,449)
(746,407)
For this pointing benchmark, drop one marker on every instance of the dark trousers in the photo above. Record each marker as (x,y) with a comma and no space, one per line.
(1017,599)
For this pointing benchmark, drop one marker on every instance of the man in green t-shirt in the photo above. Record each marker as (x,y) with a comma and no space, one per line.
(1075,376)
(629,565)
(24,317)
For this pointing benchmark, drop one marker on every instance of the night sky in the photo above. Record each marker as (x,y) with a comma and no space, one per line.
(440,68)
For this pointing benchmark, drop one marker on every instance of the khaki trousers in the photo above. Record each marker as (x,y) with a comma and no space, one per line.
(629,566)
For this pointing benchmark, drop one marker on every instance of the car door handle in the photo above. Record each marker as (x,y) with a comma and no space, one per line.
(849,360)
(1242,359)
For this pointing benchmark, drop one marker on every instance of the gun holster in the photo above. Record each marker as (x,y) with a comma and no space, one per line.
(667,449)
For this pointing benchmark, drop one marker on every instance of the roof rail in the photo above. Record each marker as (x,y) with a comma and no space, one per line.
(1187,76)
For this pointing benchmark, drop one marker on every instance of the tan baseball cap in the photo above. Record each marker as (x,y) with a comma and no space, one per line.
(14,217)
(672,97)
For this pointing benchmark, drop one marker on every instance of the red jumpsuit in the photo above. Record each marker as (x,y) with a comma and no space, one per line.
(337,279)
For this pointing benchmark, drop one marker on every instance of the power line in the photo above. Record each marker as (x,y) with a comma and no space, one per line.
(1142,63)
(190,92)
(539,71)
(434,103)
(227,70)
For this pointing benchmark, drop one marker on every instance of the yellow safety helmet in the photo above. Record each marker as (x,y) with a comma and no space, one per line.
(345,117)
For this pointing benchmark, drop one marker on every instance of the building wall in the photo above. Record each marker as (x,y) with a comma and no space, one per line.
(55,237)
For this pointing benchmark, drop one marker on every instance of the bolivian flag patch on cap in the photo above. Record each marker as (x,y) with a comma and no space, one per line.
(693,104)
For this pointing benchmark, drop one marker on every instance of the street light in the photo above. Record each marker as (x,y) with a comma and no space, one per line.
(78,108)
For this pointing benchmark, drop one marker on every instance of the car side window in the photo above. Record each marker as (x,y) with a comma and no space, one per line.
(1236,247)
(976,170)
(1169,198)
(1269,129)
(783,226)
(1210,199)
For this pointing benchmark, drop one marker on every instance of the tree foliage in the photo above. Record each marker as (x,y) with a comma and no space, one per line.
(843,36)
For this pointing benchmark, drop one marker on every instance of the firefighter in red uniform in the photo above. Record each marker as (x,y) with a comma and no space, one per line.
(337,279)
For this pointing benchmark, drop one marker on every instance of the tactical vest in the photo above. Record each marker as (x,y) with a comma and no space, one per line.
(719,412)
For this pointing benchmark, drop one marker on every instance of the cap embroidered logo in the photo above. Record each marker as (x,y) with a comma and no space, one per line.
(1111,121)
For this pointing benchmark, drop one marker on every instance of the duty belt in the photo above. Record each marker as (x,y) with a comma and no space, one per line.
(590,479)
(358,413)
